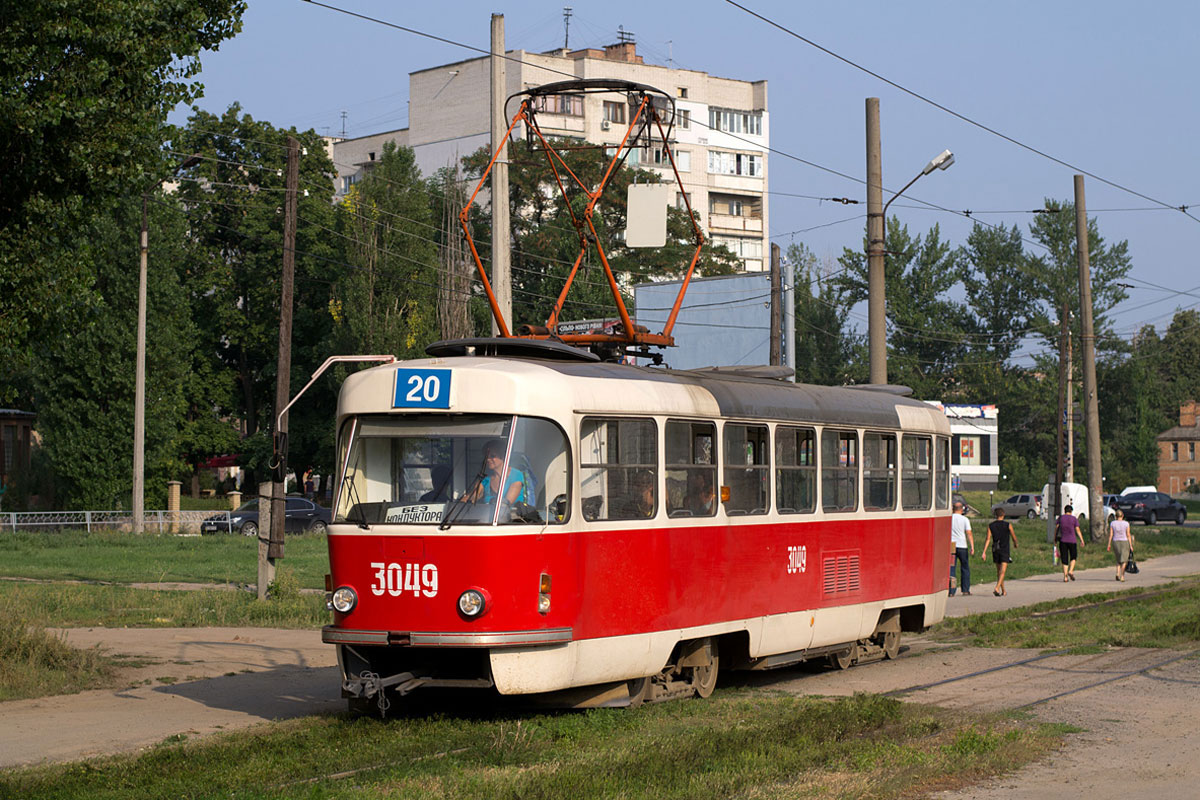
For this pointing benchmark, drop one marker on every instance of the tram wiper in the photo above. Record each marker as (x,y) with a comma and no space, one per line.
(459,504)
(356,505)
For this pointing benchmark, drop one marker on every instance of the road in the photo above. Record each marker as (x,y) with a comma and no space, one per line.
(1137,711)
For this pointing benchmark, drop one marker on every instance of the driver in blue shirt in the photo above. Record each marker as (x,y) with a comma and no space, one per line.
(493,464)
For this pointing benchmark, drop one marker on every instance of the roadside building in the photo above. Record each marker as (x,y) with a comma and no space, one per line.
(722,132)
(1177,465)
(974,450)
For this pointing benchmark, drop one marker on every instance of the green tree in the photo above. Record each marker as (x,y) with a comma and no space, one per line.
(927,331)
(826,352)
(84,90)
(85,376)
(234,203)
(387,302)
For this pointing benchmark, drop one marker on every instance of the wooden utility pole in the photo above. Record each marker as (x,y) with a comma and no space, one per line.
(776,309)
(876,226)
(283,383)
(1091,411)
(501,247)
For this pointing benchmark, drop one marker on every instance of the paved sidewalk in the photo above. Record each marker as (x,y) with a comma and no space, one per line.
(1040,588)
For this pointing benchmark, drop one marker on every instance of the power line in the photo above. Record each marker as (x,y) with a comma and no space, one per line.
(953,113)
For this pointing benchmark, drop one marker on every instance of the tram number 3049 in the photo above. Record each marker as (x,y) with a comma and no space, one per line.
(396,579)
(797,559)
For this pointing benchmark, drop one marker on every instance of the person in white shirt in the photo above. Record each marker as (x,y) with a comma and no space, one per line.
(964,547)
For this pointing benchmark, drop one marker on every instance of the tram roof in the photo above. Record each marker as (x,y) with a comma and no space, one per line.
(510,383)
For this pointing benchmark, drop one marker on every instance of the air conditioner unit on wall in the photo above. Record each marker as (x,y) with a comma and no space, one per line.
(605,124)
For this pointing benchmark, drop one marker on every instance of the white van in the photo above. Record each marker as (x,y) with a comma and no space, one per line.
(1074,495)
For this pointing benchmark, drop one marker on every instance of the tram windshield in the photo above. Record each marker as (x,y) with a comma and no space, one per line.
(444,471)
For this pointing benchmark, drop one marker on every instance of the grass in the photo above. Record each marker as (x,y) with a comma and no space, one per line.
(61,605)
(744,743)
(1166,616)
(128,558)
(36,663)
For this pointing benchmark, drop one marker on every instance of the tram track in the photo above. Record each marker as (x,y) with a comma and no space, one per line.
(1025,662)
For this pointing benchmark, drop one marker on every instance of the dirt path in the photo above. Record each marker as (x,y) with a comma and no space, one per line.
(1138,728)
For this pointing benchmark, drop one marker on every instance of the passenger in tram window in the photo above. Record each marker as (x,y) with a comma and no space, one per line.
(640,502)
(493,463)
(701,499)
(440,493)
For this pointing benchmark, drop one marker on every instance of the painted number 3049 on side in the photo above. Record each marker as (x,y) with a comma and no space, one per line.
(397,579)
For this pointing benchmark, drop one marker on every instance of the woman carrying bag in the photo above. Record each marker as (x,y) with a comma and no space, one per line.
(1120,542)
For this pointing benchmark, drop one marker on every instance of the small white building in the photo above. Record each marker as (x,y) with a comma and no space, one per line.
(974,451)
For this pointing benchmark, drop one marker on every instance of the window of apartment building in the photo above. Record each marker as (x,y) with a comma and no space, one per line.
(733,121)
(683,159)
(632,158)
(682,199)
(614,112)
(1191,451)
(570,105)
(1174,451)
(348,181)
(723,163)
(735,205)
(742,248)
(684,118)
(682,91)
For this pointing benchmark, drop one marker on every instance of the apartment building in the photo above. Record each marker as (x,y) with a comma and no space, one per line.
(721,137)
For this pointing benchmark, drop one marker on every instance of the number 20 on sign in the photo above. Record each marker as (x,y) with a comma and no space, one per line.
(422,388)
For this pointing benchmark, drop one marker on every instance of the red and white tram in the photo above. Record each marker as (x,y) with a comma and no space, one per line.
(654,524)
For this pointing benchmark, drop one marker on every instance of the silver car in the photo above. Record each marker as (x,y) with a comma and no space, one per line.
(1021,505)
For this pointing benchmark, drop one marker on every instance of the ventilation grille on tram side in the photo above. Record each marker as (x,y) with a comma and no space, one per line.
(841,574)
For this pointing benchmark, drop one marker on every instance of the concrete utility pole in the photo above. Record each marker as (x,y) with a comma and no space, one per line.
(789,318)
(1070,405)
(776,309)
(1091,402)
(283,382)
(876,303)
(139,401)
(501,247)
(1053,503)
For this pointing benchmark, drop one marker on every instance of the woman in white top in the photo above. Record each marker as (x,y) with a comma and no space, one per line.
(1120,542)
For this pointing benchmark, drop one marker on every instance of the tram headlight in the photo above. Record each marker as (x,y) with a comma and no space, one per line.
(343,600)
(472,603)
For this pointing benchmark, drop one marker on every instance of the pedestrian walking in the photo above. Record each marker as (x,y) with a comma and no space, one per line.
(1120,542)
(1066,533)
(1000,534)
(964,547)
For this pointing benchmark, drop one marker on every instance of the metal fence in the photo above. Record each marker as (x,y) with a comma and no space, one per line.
(181,522)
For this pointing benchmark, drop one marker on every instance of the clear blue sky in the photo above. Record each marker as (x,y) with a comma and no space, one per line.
(1106,86)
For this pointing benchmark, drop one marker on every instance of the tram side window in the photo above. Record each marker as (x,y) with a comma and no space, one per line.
(618,476)
(943,473)
(916,471)
(747,471)
(795,469)
(691,469)
(879,471)
(839,470)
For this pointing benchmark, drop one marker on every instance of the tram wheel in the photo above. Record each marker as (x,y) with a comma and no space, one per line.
(704,677)
(639,690)
(843,660)
(891,644)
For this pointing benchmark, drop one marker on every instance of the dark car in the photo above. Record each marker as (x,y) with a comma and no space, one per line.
(1150,507)
(301,515)
(1110,500)
(1021,505)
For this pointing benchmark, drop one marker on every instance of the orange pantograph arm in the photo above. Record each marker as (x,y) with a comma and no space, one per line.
(687,278)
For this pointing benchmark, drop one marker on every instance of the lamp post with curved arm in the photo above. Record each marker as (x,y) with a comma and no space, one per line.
(877,233)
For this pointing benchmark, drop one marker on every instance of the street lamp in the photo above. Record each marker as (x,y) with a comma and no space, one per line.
(139,403)
(876,308)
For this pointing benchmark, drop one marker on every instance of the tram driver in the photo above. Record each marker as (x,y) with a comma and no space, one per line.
(493,463)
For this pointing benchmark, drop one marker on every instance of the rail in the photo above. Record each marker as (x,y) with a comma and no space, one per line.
(181,522)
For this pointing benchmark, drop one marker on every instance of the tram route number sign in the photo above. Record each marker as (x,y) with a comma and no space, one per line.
(422,388)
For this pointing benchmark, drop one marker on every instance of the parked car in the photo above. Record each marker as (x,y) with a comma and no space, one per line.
(1150,507)
(300,515)
(1020,505)
(1110,500)
(1132,489)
